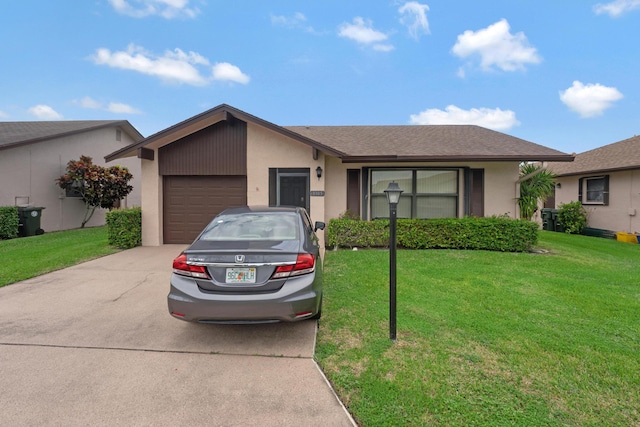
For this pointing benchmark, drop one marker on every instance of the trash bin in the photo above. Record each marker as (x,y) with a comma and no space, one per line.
(29,221)
(547,219)
(557,225)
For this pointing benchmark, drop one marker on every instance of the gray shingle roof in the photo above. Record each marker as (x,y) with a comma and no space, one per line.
(620,155)
(427,142)
(20,133)
(376,143)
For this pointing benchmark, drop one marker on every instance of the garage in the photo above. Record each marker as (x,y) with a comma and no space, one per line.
(190,202)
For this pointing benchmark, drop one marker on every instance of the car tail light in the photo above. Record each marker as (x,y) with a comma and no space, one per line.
(305,263)
(181,267)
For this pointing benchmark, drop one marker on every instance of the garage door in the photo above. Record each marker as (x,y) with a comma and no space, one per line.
(190,202)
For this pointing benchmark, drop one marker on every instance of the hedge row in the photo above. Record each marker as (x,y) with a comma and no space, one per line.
(124,227)
(9,222)
(493,234)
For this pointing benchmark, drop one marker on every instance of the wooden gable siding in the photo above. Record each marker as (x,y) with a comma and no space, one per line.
(220,149)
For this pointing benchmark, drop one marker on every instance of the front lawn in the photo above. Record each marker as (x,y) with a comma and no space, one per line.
(487,338)
(28,257)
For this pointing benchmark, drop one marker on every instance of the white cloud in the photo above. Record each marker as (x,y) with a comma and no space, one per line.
(497,47)
(616,8)
(174,66)
(362,32)
(119,108)
(496,119)
(90,103)
(112,107)
(380,47)
(224,71)
(168,9)
(3,115)
(44,112)
(414,16)
(298,20)
(590,100)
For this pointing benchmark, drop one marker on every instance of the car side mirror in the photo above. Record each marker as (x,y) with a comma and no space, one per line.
(319,225)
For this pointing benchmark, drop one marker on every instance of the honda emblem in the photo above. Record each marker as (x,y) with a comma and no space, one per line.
(239,258)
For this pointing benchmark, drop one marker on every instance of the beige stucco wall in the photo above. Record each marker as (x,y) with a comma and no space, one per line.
(151,202)
(267,149)
(623,211)
(28,174)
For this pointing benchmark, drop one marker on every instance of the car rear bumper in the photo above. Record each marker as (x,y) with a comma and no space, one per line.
(298,299)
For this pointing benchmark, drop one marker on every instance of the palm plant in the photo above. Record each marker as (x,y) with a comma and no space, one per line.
(537,185)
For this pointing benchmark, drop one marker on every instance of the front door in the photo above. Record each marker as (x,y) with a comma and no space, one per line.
(293,191)
(289,187)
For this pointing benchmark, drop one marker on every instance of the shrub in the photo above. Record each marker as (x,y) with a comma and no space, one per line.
(349,214)
(125,227)
(9,222)
(573,217)
(495,234)
(354,232)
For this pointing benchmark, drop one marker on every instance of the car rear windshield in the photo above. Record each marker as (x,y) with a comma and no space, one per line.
(253,226)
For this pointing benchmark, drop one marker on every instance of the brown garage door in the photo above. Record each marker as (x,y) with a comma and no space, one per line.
(190,202)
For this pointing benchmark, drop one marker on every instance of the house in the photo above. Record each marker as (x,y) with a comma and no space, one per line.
(607,182)
(226,157)
(34,154)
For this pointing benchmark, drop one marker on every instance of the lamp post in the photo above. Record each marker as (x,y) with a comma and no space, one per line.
(393,192)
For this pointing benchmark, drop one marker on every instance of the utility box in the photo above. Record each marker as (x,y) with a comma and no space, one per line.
(29,221)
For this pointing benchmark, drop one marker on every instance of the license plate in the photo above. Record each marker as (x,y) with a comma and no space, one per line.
(241,275)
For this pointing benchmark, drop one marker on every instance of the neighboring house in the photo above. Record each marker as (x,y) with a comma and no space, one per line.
(607,182)
(34,154)
(226,157)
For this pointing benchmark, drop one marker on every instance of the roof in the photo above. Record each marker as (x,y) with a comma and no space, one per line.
(20,133)
(374,143)
(427,143)
(194,124)
(622,155)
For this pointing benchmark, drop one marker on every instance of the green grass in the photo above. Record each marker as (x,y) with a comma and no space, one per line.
(31,256)
(487,338)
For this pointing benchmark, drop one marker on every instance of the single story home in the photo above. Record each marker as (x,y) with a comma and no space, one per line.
(607,182)
(34,154)
(226,157)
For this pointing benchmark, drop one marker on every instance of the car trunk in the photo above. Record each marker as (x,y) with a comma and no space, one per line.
(242,266)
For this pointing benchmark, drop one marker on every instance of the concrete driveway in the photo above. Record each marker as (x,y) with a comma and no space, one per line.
(94,345)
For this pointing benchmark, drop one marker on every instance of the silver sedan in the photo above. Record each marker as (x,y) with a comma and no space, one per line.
(250,265)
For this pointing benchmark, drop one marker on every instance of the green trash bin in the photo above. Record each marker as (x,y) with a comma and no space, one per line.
(29,221)
(557,225)
(547,219)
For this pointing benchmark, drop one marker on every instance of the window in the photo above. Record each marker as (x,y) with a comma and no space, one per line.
(427,193)
(74,190)
(594,190)
(253,226)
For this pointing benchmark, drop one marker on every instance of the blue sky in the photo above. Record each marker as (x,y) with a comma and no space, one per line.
(563,74)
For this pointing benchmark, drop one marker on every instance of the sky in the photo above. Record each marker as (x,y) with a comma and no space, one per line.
(563,74)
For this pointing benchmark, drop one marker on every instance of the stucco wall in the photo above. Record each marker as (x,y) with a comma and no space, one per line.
(28,174)
(623,211)
(267,149)
(151,202)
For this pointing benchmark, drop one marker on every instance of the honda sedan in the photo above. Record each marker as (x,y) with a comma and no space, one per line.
(250,265)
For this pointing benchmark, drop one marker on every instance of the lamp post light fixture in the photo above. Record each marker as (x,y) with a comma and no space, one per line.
(393,193)
(319,172)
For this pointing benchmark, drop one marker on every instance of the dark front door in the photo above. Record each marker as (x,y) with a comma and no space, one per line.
(293,190)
